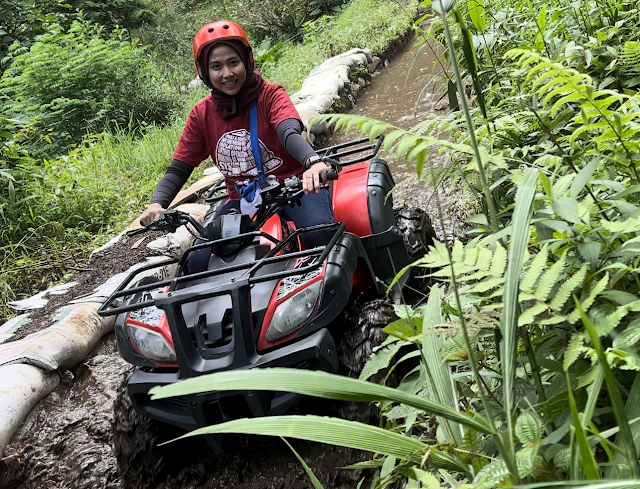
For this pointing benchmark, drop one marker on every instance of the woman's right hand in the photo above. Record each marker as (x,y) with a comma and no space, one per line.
(152,212)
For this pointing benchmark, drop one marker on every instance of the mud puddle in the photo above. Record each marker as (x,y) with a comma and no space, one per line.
(66,443)
(66,440)
(405,93)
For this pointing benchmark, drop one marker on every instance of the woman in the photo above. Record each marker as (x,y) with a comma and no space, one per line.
(219,126)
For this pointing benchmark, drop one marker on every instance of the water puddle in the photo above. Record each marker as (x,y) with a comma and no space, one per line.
(405,93)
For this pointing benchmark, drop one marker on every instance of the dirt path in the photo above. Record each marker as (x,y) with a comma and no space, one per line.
(66,441)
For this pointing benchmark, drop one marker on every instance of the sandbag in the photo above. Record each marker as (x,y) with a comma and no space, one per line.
(8,329)
(21,387)
(175,244)
(40,300)
(62,345)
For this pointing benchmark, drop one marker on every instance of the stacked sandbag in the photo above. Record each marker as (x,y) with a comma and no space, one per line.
(330,81)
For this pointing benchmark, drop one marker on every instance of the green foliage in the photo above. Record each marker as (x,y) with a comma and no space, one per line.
(168,35)
(272,17)
(58,211)
(23,20)
(73,83)
(362,23)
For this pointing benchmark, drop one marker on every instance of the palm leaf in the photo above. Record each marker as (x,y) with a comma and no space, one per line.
(314,480)
(626,438)
(509,323)
(338,432)
(314,383)
(586,460)
(632,408)
(439,374)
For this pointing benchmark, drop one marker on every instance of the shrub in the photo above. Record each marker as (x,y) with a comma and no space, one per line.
(77,82)
(23,20)
(272,17)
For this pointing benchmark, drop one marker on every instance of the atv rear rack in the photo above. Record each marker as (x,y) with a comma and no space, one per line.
(252,268)
(351,148)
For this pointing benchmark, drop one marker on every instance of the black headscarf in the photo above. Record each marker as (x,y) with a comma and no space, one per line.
(228,106)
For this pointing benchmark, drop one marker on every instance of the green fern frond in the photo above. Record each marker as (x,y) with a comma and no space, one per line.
(575,348)
(499,261)
(611,321)
(528,315)
(561,185)
(535,270)
(567,288)
(549,279)
(629,57)
(588,302)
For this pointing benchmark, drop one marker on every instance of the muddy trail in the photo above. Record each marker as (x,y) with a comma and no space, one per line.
(66,441)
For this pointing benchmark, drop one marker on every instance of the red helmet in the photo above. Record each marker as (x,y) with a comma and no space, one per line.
(215,31)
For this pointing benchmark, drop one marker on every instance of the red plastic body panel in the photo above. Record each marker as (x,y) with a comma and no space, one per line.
(273,226)
(350,199)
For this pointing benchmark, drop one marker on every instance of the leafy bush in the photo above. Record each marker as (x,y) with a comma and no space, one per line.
(52,213)
(116,13)
(370,24)
(23,20)
(76,83)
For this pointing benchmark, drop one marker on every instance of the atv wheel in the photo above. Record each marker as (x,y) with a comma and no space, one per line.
(364,320)
(416,228)
(418,235)
(135,440)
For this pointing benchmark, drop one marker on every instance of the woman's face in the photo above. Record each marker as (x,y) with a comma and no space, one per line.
(226,69)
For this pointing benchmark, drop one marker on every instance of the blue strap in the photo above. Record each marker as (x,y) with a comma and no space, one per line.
(255,144)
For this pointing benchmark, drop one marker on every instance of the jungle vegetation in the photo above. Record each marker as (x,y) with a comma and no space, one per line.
(523,361)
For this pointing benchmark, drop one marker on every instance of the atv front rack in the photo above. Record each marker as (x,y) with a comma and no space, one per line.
(122,292)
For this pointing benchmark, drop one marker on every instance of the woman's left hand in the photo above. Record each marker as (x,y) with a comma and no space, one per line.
(314,177)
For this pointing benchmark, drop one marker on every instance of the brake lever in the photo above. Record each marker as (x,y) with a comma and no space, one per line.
(135,232)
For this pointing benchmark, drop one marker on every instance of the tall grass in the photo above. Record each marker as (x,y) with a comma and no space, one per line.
(66,206)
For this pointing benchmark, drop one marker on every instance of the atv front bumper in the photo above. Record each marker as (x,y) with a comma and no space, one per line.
(315,352)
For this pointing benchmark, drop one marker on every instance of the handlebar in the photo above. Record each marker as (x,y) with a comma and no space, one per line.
(274,195)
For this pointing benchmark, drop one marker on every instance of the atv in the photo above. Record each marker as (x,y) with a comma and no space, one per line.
(263,301)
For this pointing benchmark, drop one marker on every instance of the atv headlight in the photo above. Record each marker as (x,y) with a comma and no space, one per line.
(289,315)
(151,344)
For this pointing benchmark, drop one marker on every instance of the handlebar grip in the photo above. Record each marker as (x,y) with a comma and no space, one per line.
(332,174)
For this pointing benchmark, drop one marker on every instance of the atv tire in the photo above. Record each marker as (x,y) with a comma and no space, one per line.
(417,230)
(135,439)
(364,320)
(418,235)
